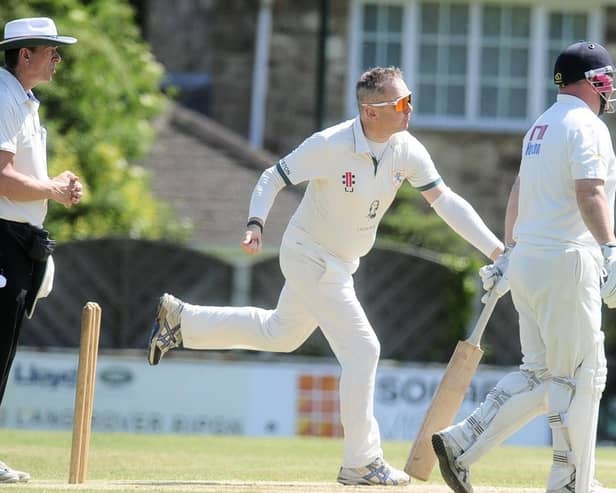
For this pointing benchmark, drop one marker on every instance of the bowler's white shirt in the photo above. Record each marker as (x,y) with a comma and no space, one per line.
(347,194)
(568,142)
(22,135)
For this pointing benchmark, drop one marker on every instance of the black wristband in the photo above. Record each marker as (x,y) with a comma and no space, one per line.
(255,222)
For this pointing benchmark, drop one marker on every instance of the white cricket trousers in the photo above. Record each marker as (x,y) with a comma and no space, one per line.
(318,291)
(556,295)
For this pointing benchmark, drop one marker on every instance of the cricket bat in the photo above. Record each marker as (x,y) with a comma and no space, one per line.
(449,395)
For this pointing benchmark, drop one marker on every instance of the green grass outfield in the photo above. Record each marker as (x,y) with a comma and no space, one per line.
(179,463)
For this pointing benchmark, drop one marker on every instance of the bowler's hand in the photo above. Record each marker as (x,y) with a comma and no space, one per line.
(252,242)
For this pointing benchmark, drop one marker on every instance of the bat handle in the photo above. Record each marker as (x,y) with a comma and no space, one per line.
(484,316)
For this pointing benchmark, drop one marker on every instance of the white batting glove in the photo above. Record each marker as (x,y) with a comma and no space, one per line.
(492,275)
(608,285)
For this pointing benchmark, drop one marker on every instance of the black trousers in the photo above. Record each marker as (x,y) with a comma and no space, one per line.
(17,266)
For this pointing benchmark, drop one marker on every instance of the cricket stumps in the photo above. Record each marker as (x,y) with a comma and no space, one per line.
(84,391)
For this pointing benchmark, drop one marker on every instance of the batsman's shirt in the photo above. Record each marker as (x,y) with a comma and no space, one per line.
(349,191)
(568,142)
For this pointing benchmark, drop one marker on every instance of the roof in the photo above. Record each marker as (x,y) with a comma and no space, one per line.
(206,173)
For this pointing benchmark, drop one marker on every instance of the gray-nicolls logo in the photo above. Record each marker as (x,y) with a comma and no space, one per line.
(374,206)
(348,180)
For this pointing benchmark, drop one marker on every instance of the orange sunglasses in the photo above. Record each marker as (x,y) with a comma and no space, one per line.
(400,104)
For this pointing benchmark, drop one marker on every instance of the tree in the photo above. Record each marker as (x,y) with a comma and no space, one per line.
(98,113)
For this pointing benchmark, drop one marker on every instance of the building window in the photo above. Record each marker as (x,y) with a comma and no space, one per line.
(504,56)
(382,35)
(443,59)
(470,64)
(561,30)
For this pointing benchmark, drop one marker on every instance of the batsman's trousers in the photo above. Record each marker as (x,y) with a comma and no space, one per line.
(318,291)
(556,294)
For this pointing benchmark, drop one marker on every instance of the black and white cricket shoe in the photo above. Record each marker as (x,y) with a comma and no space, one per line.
(457,478)
(166,333)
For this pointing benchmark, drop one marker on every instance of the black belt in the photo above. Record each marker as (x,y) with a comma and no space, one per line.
(34,241)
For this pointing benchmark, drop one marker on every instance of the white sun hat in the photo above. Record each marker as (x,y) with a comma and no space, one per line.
(33,31)
(45,287)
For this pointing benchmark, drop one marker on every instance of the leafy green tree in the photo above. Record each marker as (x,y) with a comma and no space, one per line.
(98,113)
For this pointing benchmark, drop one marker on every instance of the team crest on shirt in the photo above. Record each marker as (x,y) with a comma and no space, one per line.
(348,180)
(374,206)
(398,177)
(533,146)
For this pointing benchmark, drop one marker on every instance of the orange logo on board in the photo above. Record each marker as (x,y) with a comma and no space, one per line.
(318,407)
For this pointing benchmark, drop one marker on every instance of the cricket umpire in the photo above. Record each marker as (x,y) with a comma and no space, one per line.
(560,216)
(26,267)
(353,170)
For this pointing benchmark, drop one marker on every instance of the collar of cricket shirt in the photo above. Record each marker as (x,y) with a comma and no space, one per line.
(359,138)
(15,87)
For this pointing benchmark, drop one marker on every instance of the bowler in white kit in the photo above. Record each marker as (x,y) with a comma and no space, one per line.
(353,170)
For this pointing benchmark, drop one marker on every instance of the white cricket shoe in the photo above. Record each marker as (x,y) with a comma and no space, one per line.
(458,478)
(595,487)
(166,332)
(22,477)
(7,475)
(377,472)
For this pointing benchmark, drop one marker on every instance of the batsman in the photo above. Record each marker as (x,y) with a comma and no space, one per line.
(353,170)
(560,215)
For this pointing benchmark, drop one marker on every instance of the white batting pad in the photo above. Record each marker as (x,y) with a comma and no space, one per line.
(582,420)
(516,399)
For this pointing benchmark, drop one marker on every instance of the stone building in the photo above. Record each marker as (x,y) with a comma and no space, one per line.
(206,173)
(480,72)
